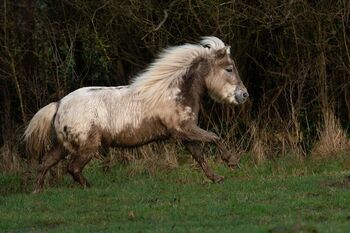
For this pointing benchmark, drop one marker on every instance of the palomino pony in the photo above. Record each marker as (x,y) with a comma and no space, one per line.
(163,102)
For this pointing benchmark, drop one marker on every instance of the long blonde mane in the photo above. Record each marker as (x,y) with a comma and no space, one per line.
(164,75)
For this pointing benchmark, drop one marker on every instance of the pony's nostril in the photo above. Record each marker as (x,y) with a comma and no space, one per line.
(245,95)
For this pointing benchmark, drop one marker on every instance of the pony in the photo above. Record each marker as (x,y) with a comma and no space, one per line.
(162,102)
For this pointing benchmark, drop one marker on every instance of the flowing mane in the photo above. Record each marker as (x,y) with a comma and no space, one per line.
(164,75)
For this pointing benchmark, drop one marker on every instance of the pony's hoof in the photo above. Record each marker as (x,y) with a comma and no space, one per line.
(233,163)
(233,166)
(86,185)
(217,179)
(36,191)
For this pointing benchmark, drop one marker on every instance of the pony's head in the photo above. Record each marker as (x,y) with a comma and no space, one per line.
(223,81)
(210,59)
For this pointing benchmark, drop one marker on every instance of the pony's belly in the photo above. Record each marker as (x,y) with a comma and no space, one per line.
(131,139)
(148,131)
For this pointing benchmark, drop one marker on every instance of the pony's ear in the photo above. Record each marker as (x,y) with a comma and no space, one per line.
(201,67)
(221,53)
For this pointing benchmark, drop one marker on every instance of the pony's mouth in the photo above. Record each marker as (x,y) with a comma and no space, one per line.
(233,97)
(240,96)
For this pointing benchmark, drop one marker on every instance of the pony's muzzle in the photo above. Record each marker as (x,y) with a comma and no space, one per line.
(241,96)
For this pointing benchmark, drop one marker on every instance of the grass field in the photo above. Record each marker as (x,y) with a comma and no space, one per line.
(281,196)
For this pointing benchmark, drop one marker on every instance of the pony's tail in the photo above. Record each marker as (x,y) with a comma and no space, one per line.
(38,134)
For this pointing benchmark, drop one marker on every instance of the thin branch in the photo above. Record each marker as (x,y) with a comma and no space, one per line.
(159,25)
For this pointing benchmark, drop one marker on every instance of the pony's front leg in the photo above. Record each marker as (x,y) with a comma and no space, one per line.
(195,151)
(194,133)
(191,135)
(231,161)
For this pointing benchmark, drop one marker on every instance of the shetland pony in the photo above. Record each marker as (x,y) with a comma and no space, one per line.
(163,102)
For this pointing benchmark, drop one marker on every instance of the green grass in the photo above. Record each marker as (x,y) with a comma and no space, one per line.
(280,196)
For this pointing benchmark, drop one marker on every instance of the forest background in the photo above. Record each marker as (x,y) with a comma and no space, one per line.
(293,56)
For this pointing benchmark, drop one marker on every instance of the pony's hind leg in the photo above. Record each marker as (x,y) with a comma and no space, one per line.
(51,158)
(76,166)
(83,155)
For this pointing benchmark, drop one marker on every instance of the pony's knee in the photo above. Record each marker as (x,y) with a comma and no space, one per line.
(70,147)
(40,168)
(73,170)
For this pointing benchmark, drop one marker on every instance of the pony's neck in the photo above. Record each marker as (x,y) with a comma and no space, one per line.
(192,89)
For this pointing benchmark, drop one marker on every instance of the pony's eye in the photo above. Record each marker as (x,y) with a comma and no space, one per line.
(229,69)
